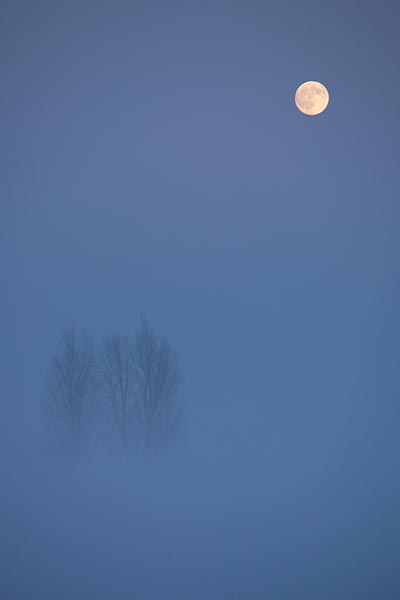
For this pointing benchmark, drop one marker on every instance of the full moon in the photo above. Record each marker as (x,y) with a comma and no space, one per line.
(311,98)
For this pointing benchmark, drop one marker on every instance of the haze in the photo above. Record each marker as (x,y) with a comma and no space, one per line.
(154,162)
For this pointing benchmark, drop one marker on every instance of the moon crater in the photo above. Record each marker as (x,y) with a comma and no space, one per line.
(311,98)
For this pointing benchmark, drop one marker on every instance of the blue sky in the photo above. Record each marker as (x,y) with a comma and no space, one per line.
(155,161)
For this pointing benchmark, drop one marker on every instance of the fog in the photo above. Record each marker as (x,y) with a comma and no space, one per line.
(154,162)
(298,506)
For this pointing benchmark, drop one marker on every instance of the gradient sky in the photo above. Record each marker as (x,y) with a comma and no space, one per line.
(153,160)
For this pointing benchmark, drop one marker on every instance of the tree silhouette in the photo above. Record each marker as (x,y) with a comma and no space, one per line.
(140,379)
(116,365)
(158,383)
(71,389)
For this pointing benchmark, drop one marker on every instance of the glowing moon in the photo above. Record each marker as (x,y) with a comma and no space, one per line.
(311,98)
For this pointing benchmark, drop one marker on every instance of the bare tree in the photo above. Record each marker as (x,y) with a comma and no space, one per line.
(116,365)
(158,383)
(71,390)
